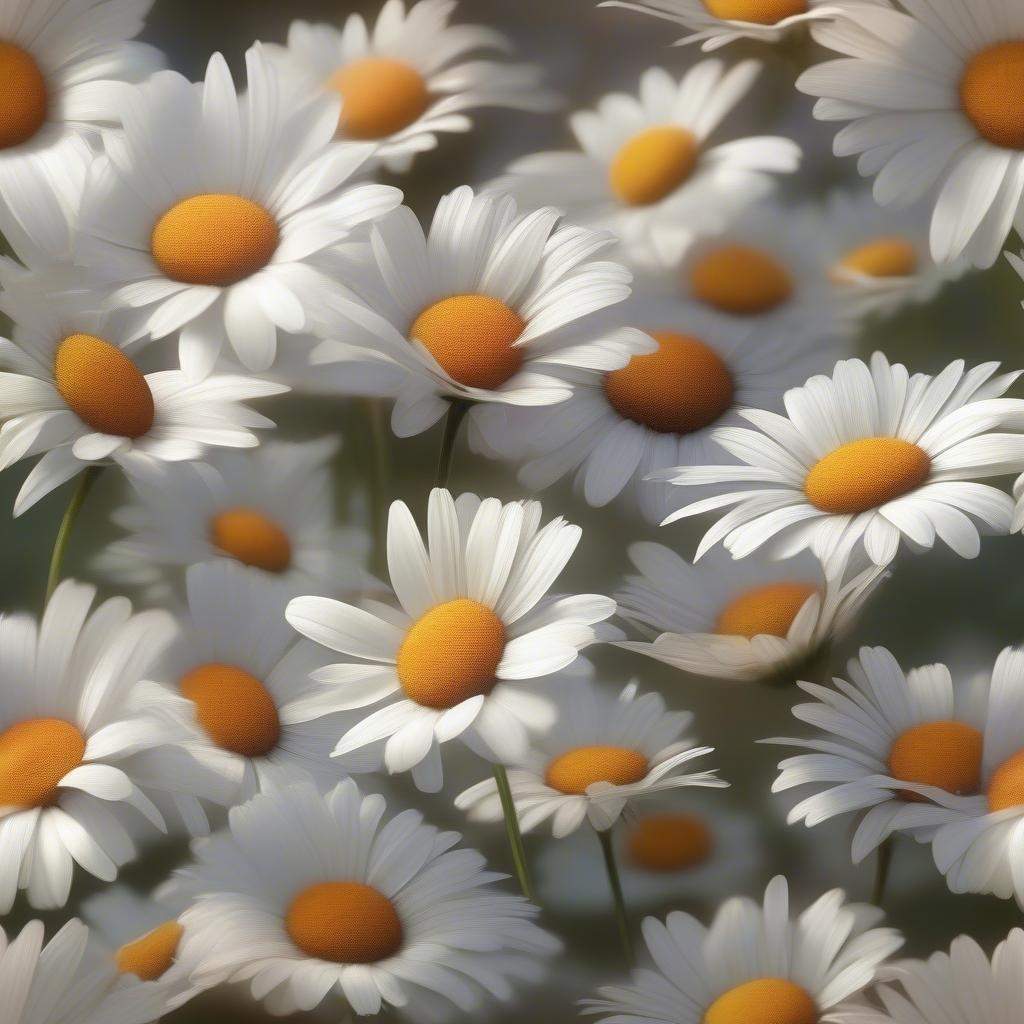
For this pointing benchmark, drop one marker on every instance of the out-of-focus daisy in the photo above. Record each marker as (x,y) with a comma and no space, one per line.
(411,77)
(927,91)
(867,457)
(474,629)
(754,962)
(601,754)
(309,896)
(749,620)
(211,210)
(644,169)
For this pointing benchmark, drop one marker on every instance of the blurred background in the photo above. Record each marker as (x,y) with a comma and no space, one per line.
(935,608)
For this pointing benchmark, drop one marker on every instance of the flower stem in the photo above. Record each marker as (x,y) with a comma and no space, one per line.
(60,545)
(377,482)
(883,859)
(515,837)
(615,884)
(457,409)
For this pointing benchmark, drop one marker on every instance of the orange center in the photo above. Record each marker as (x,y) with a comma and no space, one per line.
(681,387)
(883,257)
(381,96)
(214,239)
(653,164)
(252,538)
(763,1001)
(945,754)
(24,98)
(103,387)
(669,842)
(577,769)
(1006,787)
(34,757)
(345,923)
(865,474)
(741,280)
(152,956)
(768,610)
(234,709)
(992,93)
(761,12)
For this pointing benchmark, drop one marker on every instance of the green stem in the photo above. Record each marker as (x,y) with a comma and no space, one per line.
(515,837)
(457,409)
(883,860)
(615,884)
(377,480)
(60,545)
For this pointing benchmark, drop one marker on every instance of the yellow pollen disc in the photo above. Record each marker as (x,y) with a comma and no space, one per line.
(943,754)
(451,654)
(669,842)
(24,99)
(381,96)
(653,164)
(768,610)
(865,474)
(760,12)
(214,239)
(741,280)
(577,769)
(991,91)
(763,1001)
(882,257)
(345,923)
(234,709)
(681,387)
(103,387)
(152,956)
(1006,787)
(472,337)
(34,757)
(252,538)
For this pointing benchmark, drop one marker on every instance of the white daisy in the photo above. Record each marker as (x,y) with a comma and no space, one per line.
(473,631)
(750,620)
(310,895)
(601,754)
(926,88)
(411,77)
(753,963)
(644,170)
(211,210)
(866,457)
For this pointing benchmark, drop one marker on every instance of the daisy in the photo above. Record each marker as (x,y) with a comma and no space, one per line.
(931,97)
(751,620)
(409,78)
(645,170)
(474,629)
(753,963)
(601,754)
(211,210)
(310,895)
(866,457)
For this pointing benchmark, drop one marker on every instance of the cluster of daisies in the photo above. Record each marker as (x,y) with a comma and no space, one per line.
(644,313)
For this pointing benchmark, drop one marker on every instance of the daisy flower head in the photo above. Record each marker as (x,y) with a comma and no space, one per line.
(309,895)
(748,621)
(864,459)
(931,97)
(473,631)
(601,754)
(754,962)
(409,78)
(212,210)
(645,169)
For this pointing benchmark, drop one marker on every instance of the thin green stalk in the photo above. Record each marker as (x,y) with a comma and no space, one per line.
(60,545)
(377,479)
(457,409)
(515,837)
(615,884)
(883,860)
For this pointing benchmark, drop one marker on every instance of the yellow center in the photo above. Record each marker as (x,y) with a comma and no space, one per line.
(577,769)
(103,387)
(252,538)
(152,956)
(741,280)
(763,1001)
(234,709)
(761,12)
(653,164)
(882,257)
(943,754)
(669,842)
(681,387)
(1006,787)
(768,610)
(992,93)
(451,654)
(865,474)
(34,757)
(345,923)
(381,96)
(24,97)
(214,239)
